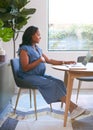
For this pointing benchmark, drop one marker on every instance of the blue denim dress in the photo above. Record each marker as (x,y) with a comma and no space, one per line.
(51,88)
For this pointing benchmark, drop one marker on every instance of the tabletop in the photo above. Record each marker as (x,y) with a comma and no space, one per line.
(88,67)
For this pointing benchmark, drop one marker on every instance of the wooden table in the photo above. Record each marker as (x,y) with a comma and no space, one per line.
(68,80)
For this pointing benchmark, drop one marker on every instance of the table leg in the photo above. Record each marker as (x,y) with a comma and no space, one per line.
(68,97)
(65,78)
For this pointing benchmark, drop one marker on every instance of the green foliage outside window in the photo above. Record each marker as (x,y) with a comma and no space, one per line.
(67,37)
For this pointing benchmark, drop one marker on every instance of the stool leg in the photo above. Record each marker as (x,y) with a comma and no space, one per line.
(51,107)
(34,92)
(30,98)
(17,99)
(61,104)
(79,85)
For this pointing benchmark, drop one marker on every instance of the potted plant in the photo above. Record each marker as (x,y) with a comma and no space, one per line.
(14,15)
(6,33)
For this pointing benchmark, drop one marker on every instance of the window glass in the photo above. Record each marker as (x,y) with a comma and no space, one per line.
(70,25)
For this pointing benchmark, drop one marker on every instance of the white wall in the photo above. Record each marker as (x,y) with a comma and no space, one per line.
(40,19)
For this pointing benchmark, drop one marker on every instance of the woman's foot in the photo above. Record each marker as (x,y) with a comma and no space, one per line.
(77,112)
(74,110)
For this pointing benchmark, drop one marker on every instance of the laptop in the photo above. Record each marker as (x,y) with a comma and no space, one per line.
(87,58)
(81,65)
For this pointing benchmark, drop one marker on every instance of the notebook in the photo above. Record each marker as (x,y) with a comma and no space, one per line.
(77,66)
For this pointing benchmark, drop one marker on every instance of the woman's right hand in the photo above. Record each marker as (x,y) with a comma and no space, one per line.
(42,59)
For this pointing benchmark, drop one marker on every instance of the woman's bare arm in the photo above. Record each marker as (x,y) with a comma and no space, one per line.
(24,58)
(56,62)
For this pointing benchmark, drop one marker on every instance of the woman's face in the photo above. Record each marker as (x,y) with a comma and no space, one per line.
(36,37)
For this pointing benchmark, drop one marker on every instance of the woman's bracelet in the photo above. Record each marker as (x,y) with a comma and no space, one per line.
(63,62)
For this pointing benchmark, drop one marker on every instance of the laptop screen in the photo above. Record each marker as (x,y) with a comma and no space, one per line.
(87,58)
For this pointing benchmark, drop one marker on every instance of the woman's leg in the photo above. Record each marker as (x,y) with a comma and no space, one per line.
(73,109)
(72,105)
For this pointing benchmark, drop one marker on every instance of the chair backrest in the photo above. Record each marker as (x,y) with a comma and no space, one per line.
(15,67)
(81,58)
(20,82)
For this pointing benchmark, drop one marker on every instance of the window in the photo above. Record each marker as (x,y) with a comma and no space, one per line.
(70,25)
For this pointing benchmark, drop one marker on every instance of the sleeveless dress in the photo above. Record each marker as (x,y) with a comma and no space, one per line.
(51,88)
